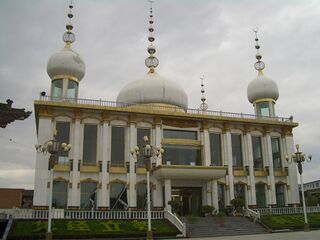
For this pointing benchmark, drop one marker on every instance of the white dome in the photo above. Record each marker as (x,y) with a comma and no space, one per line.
(66,62)
(153,88)
(262,87)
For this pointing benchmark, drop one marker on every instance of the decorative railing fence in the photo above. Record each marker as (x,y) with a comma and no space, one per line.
(155,107)
(18,213)
(286,210)
(73,214)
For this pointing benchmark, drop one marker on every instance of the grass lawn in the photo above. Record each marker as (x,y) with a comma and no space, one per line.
(295,221)
(36,229)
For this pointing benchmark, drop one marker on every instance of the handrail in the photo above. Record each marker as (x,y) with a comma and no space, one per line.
(176,222)
(157,107)
(251,214)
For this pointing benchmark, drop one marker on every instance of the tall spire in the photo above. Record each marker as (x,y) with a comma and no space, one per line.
(69,37)
(259,65)
(151,62)
(203,105)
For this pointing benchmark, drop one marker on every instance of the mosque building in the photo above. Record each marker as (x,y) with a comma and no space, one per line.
(209,158)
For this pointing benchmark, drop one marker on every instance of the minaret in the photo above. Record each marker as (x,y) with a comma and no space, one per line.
(203,105)
(262,91)
(153,88)
(66,68)
(151,62)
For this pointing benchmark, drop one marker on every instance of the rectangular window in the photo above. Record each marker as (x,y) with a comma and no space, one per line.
(59,194)
(236,150)
(263,109)
(180,134)
(261,195)
(141,132)
(63,136)
(90,144)
(117,146)
(221,196)
(276,154)
(88,195)
(257,152)
(181,155)
(280,195)
(215,149)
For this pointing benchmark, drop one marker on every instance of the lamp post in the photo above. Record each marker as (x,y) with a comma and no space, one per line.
(52,147)
(148,152)
(299,157)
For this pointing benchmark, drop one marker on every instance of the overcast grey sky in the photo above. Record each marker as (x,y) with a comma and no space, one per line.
(193,38)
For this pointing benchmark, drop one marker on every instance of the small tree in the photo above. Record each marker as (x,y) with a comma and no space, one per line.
(238,204)
(176,206)
(207,209)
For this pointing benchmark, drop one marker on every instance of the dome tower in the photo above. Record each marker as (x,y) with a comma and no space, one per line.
(153,88)
(262,91)
(66,68)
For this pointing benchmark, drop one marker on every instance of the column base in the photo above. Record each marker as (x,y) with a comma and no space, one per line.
(306,227)
(149,235)
(48,235)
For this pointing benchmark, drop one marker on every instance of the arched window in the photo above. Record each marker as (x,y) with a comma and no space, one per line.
(88,195)
(59,194)
(57,88)
(118,196)
(72,89)
(141,196)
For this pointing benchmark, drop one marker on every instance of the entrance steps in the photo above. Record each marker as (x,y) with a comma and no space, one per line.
(225,226)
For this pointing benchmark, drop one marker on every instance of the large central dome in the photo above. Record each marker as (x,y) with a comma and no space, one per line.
(153,88)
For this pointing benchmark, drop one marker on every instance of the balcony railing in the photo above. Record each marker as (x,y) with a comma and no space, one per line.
(157,107)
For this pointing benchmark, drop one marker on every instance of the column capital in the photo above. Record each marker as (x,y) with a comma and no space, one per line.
(226,127)
(45,111)
(77,113)
(286,131)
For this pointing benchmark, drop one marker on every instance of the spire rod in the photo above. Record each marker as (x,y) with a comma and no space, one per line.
(69,37)
(151,62)
(203,105)
(259,65)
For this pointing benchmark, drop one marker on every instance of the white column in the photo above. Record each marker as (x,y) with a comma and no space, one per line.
(230,165)
(104,158)
(75,192)
(41,168)
(167,194)
(251,177)
(206,144)
(214,192)
(292,170)
(132,175)
(271,182)
(158,137)
(157,194)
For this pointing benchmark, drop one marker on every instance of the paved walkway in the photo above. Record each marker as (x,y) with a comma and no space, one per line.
(312,235)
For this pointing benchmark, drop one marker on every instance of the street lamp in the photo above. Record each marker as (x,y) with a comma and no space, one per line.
(52,147)
(299,157)
(148,152)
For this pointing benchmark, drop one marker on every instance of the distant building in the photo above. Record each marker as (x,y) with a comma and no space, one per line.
(210,157)
(15,198)
(311,187)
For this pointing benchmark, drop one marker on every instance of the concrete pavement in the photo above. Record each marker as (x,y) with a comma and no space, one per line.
(312,235)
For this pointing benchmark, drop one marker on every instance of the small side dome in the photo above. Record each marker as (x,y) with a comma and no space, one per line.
(66,62)
(152,88)
(262,87)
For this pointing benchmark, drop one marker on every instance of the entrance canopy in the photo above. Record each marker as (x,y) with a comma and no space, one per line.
(189,172)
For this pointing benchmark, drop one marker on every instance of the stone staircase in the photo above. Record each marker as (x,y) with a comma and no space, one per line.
(226,226)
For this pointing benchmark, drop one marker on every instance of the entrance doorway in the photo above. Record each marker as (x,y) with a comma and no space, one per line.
(190,198)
